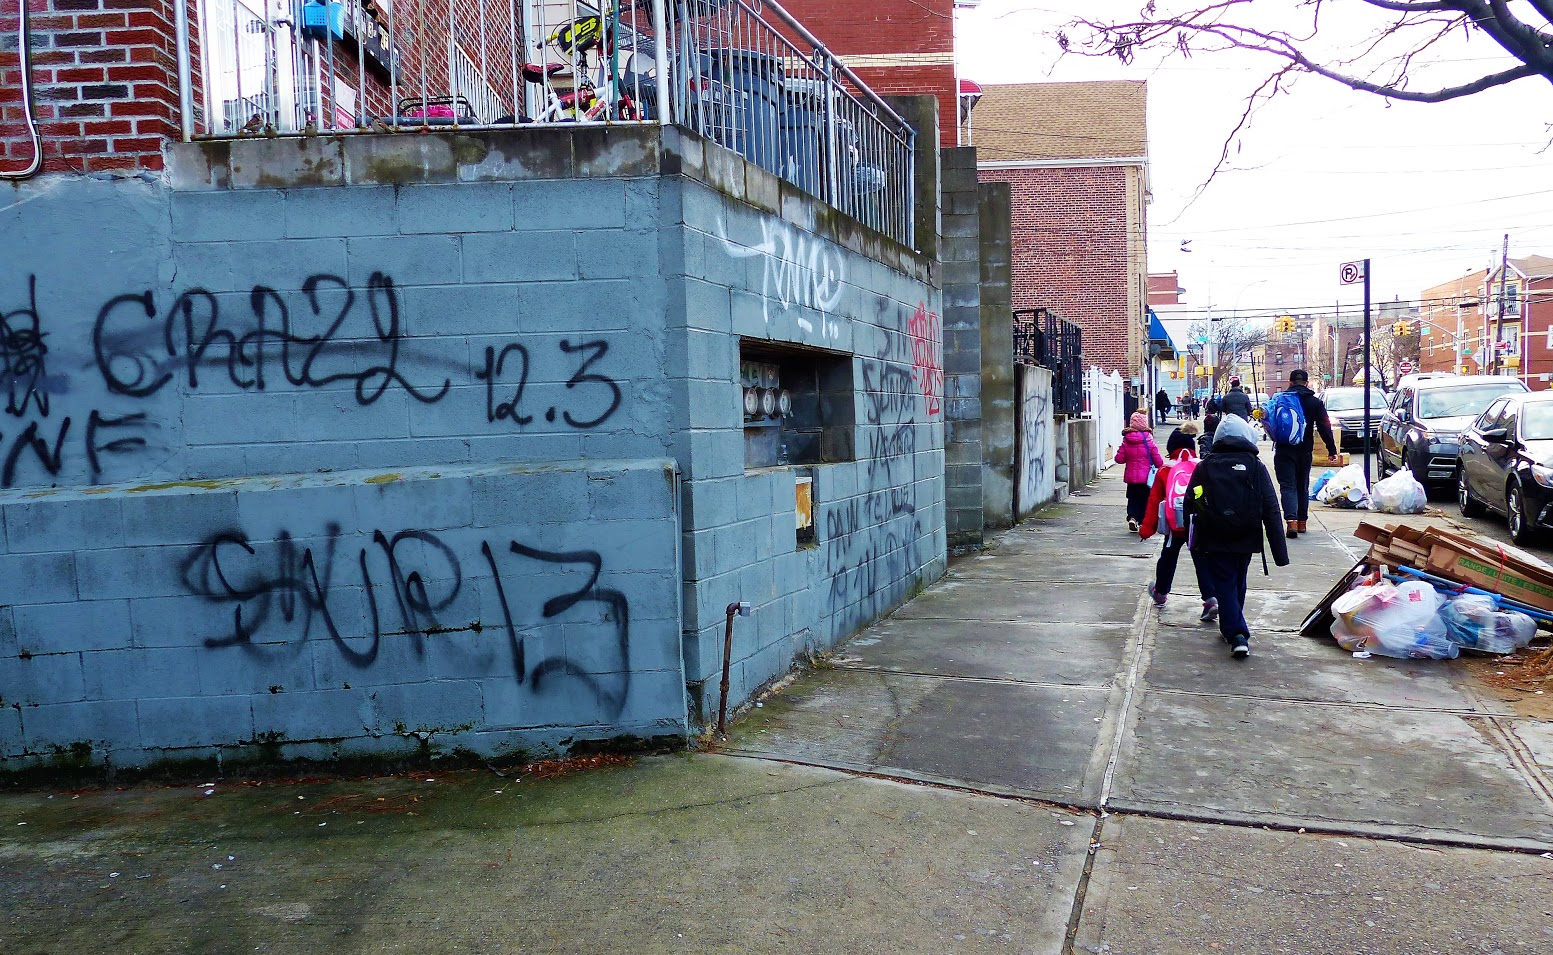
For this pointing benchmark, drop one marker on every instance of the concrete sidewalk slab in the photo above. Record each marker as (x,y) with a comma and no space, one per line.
(995,650)
(1054,602)
(1394,771)
(1287,666)
(1036,741)
(1172,888)
(1107,569)
(705,854)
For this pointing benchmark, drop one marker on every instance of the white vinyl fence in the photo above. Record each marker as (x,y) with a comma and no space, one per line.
(1103,401)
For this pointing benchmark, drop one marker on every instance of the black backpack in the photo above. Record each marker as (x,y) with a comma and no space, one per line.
(1228,502)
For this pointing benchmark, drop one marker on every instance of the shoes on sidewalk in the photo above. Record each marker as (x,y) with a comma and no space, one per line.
(1240,646)
(1210,610)
(1158,598)
(1291,529)
(1300,526)
(1132,524)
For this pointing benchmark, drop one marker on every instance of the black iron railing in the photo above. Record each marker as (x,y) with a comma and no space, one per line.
(1043,338)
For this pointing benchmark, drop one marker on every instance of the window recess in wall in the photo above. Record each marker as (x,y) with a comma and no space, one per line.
(797,405)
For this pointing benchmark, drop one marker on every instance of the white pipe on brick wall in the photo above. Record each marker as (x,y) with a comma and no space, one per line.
(23,59)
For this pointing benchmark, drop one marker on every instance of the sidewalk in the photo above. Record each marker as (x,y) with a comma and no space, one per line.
(1026,758)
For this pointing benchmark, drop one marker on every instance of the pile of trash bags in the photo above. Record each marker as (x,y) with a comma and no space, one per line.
(1412,620)
(1346,488)
(1399,494)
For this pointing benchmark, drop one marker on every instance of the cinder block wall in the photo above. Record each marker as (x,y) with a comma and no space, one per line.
(774,267)
(416,382)
(961,250)
(476,545)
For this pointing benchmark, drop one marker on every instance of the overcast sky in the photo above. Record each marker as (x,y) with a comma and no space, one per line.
(1323,176)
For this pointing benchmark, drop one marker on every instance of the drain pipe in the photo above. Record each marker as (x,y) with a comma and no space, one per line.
(742,608)
(24,60)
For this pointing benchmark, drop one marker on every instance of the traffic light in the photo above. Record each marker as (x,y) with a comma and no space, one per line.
(1285,325)
(1401,329)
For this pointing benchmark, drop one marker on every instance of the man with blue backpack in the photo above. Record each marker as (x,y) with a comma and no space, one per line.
(1294,417)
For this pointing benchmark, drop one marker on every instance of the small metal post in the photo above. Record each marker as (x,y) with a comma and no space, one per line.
(742,609)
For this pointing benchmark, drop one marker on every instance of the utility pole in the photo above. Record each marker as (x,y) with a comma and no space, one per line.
(1504,270)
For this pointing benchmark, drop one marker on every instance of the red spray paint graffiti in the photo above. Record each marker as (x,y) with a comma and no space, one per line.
(927,356)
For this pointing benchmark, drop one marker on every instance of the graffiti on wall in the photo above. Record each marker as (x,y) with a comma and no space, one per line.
(75,413)
(927,356)
(417,585)
(797,269)
(873,539)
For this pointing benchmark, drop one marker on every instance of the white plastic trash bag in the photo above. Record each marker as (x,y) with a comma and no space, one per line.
(1475,622)
(1401,621)
(1399,494)
(1346,489)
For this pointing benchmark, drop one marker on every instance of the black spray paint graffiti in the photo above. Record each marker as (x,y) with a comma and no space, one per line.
(22,351)
(495,372)
(292,585)
(873,539)
(193,327)
(330,335)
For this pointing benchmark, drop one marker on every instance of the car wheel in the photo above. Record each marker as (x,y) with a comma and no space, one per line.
(1521,528)
(1470,506)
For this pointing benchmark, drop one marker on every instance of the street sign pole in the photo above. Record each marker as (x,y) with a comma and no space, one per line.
(1350,274)
(1367,373)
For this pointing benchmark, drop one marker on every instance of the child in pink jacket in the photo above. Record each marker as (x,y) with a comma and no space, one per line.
(1139,455)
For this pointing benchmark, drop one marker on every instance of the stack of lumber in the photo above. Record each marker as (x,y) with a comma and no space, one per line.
(1465,558)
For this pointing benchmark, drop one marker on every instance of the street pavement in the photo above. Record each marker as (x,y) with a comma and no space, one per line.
(1027,758)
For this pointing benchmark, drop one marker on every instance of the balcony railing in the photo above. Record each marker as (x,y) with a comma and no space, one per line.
(743,73)
(1042,338)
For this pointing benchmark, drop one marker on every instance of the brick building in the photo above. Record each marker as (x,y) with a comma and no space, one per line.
(1443,311)
(1076,158)
(1521,294)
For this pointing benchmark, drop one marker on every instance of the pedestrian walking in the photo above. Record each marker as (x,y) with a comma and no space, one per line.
(1162,405)
(1231,508)
(1294,418)
(1140,456)
(1167,513)
(1236,401)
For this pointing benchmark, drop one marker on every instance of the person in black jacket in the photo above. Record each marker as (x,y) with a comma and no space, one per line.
(1232,506)
(1291,462)
(1236,401)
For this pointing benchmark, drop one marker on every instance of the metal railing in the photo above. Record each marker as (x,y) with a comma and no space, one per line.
(1043,338)
(743,73)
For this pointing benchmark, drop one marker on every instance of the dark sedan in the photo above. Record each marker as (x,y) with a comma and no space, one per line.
(1419,431)
(1507,464)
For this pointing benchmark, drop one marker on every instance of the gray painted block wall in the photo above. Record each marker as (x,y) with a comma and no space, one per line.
(753,274)
(961,250)
(348,613)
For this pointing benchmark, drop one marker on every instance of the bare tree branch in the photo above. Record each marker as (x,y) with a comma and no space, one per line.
(1416,25)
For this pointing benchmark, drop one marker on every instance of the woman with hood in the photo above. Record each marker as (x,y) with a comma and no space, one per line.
(1231,507)
(1138,454)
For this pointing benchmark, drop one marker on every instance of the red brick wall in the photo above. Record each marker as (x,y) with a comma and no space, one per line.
(1070,246)
(105,85)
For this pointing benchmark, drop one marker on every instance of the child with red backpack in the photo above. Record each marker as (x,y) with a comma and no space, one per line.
(1167,513)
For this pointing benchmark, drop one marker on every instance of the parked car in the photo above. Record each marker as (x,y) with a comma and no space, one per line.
(1506,464)
(1345,406)
(1419,430)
